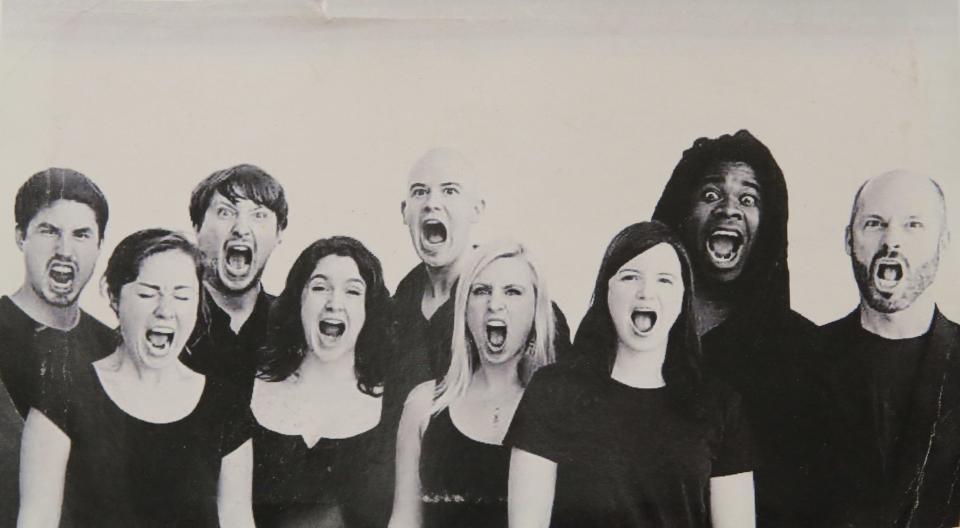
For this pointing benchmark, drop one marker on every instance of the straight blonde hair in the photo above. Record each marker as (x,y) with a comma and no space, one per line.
(464,358)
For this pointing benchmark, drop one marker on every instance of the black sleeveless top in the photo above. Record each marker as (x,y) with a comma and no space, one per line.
(342,482)
(463,481)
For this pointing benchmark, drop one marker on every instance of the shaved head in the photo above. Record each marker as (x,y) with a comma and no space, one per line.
(905,184)
(444,162)
(441,206)
(898,228)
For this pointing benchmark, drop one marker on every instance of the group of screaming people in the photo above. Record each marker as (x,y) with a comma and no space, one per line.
(690,395)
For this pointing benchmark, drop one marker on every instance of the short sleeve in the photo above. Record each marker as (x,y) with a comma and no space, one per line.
(538,424)
(735,451)
(238,422)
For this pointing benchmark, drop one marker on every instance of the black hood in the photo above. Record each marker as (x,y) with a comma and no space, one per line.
(763,289)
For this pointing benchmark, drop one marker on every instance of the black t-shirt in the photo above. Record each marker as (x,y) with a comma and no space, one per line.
(32,354)
(125,472)
(343,481)
(878,403)
(625,457)
(11,427)
(215,350)
(463,481)
(772,368)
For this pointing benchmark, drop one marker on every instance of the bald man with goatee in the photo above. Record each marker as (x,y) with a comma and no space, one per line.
(893,365)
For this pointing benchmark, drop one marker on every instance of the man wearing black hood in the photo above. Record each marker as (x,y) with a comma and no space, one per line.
(727,199)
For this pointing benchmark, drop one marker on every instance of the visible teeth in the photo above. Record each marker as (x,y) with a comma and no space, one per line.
(159,338)
(644,320)
(61,273)
(332,328)
(723,245)
(496,334)
(238,259)
(434,231)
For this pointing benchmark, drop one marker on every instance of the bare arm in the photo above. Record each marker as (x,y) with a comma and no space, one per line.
(407,505)
(732,501)
(44,451)
(235,487)
(530,490)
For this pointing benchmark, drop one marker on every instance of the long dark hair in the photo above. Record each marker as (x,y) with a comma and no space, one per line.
(596,337)
(763,289)
(286,344)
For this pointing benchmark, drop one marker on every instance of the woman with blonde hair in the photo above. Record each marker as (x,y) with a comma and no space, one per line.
(451,467)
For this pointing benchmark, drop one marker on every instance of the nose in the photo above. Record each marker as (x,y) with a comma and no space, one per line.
(334,301)
(64,244)
(496,301)
(892,236)
(641,288)
(164,308)
(241,226)
(432,201)
(729,208)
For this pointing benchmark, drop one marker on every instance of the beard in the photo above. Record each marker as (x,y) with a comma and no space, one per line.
(914,283)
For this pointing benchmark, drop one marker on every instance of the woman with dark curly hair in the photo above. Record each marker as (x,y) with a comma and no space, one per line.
(638,438)
(319,455)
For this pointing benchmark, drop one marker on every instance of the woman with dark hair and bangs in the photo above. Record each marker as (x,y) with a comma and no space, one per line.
(636,436)
(319,446)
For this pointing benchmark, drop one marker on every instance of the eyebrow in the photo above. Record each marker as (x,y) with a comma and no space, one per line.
(718,179)
(47,225)
(451,184)
(158,288)
(324,277)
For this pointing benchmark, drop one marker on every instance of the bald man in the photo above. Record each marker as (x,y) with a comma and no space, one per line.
(443,204)
(893,367)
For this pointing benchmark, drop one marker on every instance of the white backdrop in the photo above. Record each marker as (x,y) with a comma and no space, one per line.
(574,117)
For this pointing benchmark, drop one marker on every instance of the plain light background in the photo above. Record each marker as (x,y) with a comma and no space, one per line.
(574,113)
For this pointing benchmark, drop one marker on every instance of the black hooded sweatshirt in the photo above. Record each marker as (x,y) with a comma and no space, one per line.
(764,350)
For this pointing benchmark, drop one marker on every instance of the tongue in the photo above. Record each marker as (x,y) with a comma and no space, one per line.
(890,273)
(237,260)
(331,330)
(157,340)
(435,238)
(496,335)
(722,245)
(643,321)
(61,277)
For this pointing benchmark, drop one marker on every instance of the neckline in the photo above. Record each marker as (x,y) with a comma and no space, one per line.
(460,431)
(301,436)
(116,406)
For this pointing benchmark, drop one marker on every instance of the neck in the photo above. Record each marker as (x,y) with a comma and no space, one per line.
(59,317)
(498,379)
(122,361)
(913,321)
(334,372)
(440,279)
(710,310)
(641,370)
(237,306)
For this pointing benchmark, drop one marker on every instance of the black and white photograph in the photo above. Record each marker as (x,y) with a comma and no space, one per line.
(464,264)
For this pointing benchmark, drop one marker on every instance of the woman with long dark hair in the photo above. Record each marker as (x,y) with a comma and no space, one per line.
(319,455)
(636,437)
(137,438)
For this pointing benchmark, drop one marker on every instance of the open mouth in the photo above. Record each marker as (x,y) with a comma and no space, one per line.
(496,335)
(434,232)
(160,339)
(887,274)
(238,259)
(644,320)
(332,328)
(724,246)
(61,276)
